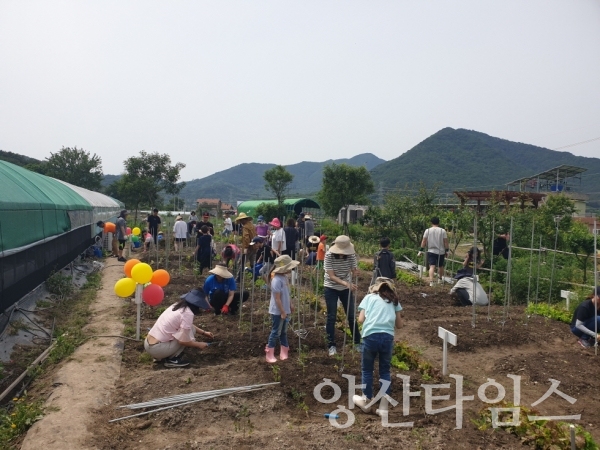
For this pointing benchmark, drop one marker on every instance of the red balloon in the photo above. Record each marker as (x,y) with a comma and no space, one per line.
(128,231)
(153,295)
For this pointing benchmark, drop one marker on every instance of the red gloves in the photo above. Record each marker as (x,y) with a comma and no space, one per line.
(225,309)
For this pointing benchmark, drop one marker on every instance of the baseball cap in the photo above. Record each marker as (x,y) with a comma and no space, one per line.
(257,239)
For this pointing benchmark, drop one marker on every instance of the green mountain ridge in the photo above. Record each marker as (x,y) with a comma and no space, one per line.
(469,160)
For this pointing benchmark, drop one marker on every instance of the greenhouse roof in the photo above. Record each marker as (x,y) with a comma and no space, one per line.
(291,204)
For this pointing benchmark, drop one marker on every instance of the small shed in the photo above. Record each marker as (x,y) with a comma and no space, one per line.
(353,213)
(293,206)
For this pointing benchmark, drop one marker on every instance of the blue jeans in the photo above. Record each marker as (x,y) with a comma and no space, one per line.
(278,331)
(589,324)
(376,344)
(331,298)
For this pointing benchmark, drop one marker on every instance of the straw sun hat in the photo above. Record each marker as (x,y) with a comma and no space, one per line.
(342,246)
(380,281)
(284,264)
(242,216)
(221,271)
(314,239)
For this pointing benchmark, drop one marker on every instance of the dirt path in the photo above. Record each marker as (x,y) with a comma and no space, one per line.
(85,382)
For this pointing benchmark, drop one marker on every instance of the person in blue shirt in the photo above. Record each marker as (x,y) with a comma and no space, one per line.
(220,288)
(379,312)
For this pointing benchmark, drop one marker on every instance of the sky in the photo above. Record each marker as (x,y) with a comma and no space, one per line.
(219,83)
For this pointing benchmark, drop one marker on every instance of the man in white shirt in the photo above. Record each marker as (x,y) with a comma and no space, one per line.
(228,226)
(435,240)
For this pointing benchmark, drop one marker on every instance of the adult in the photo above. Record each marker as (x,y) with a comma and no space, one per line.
(248,233)
(340,265)
(384,263)
(113,239)
(174,331)
(203,250)
(586,321)
(205,221)
(435,240)
(300,225)
(154,224)
(220,288)
(468,290)
(309,226)
(180,229)
(230,253)
(500,244)
(379,312)
(262,229)
(278,242)
(228,226)
(291,238)
(121,226)
(473,259)
(265,255)
(191,223)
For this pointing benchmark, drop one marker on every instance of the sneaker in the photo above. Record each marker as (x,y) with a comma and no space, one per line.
(361,401)
(332,351)
(176,362)
(585,343)
(358,348)
(121,259)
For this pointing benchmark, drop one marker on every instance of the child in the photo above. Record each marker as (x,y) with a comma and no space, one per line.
(279,308)
(148,240)
(384,264)
(379,314)
(204,248)
(321,251)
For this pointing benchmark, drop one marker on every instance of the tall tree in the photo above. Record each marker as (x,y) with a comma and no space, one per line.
(344,185)
(145,177)
(278,180)
(76,166)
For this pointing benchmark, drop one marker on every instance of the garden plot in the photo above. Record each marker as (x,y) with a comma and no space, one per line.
(288,415)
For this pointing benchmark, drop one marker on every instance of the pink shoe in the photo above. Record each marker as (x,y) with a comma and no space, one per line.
(270,355)
(283,353)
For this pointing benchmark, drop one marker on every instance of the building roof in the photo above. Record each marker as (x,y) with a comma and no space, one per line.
(559,172)
(208,201)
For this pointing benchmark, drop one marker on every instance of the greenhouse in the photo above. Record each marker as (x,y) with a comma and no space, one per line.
(44,224)
(293,206)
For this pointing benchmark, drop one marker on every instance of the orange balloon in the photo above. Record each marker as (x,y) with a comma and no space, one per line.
(160,277)
(110,227)
(129,265)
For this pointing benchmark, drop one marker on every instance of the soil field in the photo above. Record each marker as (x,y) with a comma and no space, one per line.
(502,342)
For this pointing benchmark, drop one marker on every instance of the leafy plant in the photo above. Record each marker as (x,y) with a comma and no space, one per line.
(276,372)
(16,421)
(59,284)
(551,311)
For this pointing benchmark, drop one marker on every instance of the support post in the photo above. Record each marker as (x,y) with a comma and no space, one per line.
(138,304)
(447,336)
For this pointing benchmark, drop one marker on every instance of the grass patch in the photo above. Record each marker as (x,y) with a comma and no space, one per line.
(17,419)
(551,311)
(60,284)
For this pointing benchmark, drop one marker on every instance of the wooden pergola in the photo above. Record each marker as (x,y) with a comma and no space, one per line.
(480,198)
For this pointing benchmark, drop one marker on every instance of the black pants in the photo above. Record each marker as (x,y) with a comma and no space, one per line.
(218,299)
(154,232)
(291,252)
(204,261)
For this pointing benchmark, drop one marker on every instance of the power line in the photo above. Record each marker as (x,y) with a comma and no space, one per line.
(577,143)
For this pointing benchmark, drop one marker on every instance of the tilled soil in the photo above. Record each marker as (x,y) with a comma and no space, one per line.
(501,342)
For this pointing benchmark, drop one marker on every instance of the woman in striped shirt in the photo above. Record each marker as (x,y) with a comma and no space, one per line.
(340,264)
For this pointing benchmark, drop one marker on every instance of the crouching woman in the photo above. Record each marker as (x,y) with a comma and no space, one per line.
(174,331)
(586,320)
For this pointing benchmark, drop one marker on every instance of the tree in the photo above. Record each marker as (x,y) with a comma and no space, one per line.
(344,185)
(581,242)
(270,211)
(75,166)
(145,177)
(278,179)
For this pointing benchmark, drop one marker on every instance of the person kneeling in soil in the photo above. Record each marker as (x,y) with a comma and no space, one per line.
(174,331)
(379,312)
(220,288)
(582,324)
(463,290)
(280,307)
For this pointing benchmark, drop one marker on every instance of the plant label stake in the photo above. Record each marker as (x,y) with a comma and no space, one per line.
(447,336)
(138,303)
(568,295)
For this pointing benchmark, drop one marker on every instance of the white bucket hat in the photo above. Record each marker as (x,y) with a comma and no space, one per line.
(314,239)
(342,246)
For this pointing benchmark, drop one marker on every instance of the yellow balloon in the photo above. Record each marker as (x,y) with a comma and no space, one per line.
(142,273)
(136,231)
(125,287)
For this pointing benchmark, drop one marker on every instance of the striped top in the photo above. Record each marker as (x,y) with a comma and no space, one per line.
(341,268)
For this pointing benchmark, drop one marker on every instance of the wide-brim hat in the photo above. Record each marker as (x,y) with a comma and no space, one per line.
(314,239)
(221,271)
(342,246)
(380,281)
(284,263)
(242,216)
(197,297)
(275,222)
(178,218)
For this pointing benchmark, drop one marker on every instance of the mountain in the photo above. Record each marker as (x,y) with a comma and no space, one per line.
(245,181)
(464,159)
(16,159)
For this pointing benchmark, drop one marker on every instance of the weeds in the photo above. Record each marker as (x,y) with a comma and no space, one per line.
(60,284)
(406,356)
(242,421)
(145,358)
(16,421)
(551,311)
(276,372)
(299,398)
